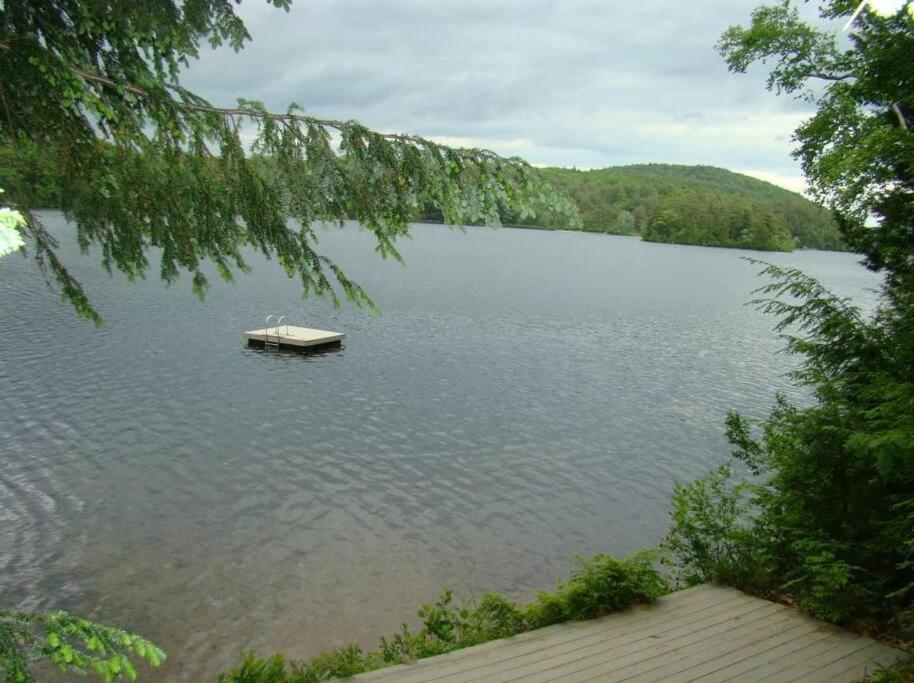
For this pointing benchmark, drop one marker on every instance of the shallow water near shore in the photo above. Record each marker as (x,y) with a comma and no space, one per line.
(522,396)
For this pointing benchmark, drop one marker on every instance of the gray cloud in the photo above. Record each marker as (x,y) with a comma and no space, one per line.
(577,83)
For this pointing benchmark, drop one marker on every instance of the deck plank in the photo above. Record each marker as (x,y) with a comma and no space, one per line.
(600,659)
(849,662)
(772,653)
(825,639)
(744,646)
(707,633)
(609,635)
(630,662)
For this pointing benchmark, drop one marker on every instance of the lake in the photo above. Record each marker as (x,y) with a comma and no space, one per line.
(523,396)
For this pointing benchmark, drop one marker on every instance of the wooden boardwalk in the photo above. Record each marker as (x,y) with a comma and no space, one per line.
(706,633)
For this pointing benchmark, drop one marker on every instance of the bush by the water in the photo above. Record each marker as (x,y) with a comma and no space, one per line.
(595,587)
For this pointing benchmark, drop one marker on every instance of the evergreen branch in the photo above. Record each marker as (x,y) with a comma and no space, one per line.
(72,644)
(200,105)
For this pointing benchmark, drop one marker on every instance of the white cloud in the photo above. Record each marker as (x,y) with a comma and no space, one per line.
(581,83)
(796,183)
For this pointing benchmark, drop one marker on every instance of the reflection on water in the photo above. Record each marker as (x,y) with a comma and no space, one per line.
(523,396)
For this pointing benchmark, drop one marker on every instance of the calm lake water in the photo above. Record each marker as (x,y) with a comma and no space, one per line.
(522,397)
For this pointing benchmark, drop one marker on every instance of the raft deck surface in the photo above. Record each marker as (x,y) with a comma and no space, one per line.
(706,633)
(290,335)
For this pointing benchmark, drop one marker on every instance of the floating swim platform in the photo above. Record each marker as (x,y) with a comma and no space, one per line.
(291,336)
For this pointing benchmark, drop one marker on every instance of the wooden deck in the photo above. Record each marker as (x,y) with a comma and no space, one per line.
(707,633)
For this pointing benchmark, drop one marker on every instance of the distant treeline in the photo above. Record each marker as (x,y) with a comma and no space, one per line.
(696,205)
(689,205)
(661,202)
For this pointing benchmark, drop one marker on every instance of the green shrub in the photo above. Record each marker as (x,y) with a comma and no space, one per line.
(604,584)
(547,610)
(254,669)
(825,585)
(711,538)
(496,617)
(903,672)
(347,661)
(595,587)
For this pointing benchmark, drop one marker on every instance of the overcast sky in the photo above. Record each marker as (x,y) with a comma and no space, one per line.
(581,83)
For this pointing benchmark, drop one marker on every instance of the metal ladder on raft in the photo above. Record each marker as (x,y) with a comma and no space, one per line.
(272,343)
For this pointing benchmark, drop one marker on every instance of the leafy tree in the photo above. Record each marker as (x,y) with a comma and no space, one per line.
(856,150)
(142,162)
(834,510)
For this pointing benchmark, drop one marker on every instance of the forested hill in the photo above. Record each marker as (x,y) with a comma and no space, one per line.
(692,205)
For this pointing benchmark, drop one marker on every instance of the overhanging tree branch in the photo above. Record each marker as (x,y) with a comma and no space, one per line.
(144,164)
(252,112)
